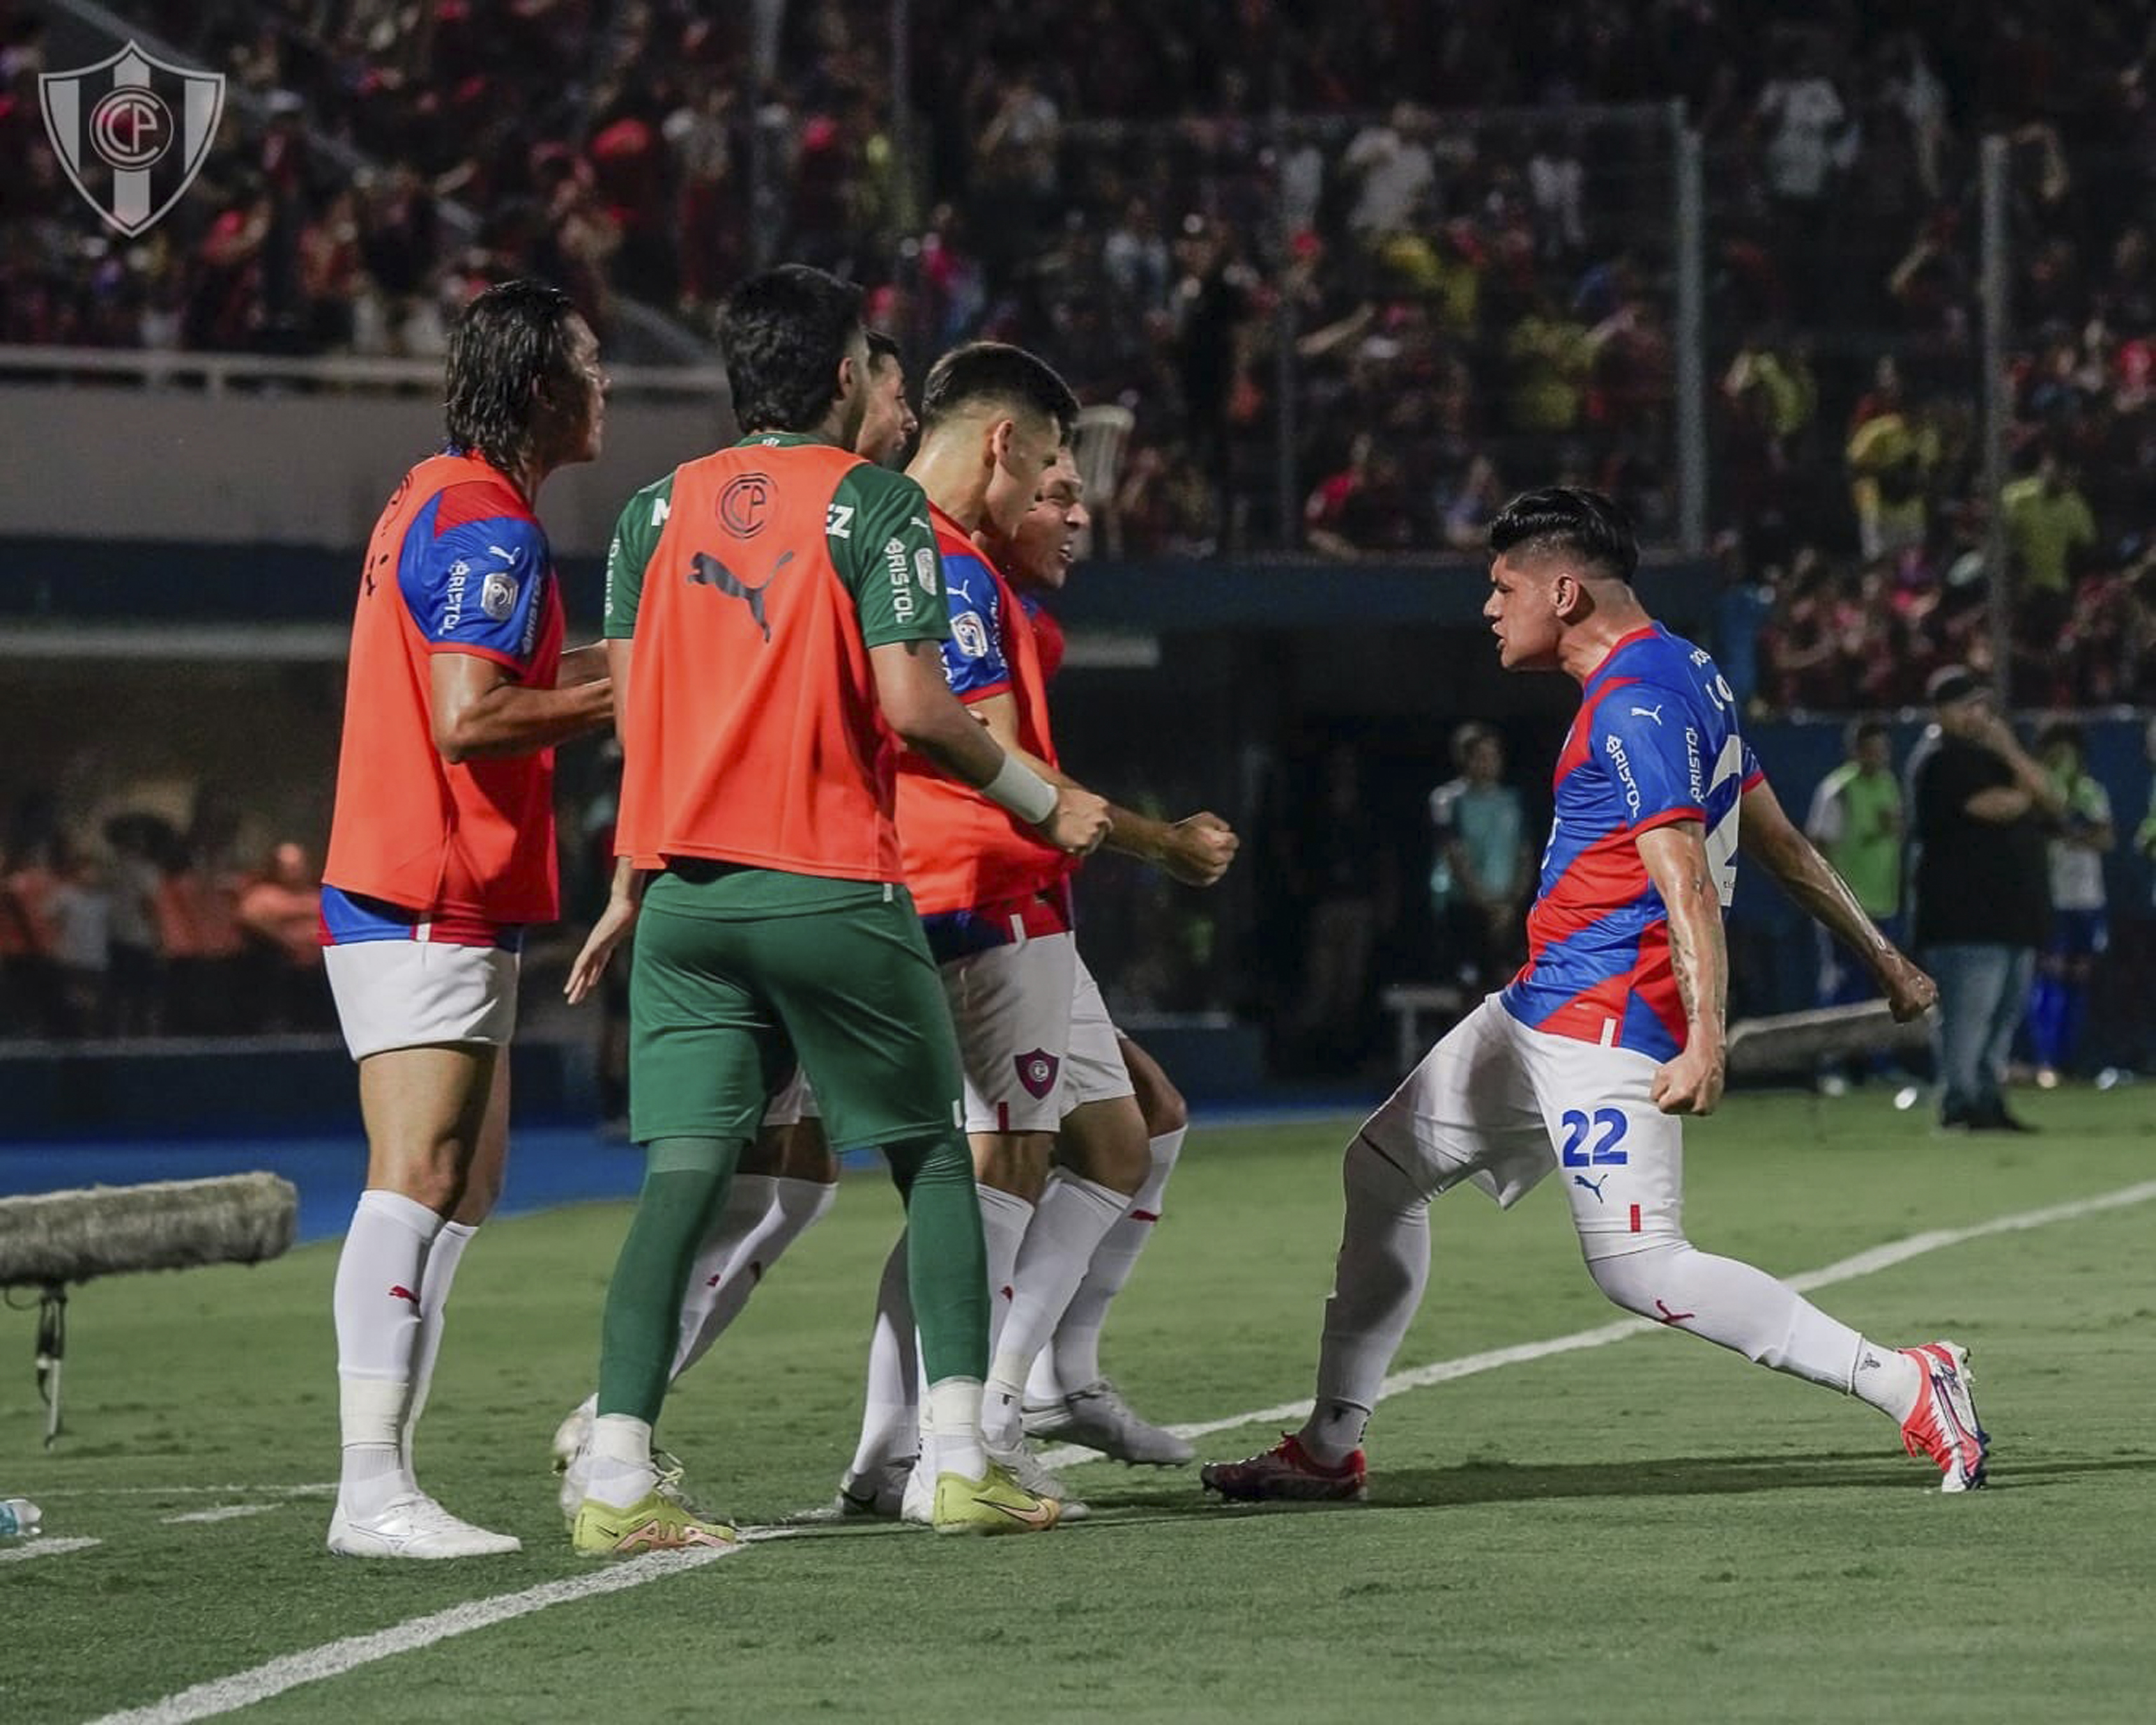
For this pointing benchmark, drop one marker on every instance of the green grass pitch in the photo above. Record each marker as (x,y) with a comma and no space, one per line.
(1647,1530)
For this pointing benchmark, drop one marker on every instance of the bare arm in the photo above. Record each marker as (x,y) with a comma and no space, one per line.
(1195,850)
(1676,860)
(582,665)
(918,705)
(477,710)
(1770,838)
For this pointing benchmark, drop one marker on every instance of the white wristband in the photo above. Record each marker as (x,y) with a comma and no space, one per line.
(1021,790)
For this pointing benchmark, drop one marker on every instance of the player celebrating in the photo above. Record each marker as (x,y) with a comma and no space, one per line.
(441,852)
(1068,1398)
(1036,1037)
(889,424)
(772,614)
(1612,1032)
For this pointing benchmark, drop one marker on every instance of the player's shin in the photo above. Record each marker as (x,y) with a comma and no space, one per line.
(1005,1220)
(1378,1283)
(947,1275)
(1073,1216)
(436,1281)
(377,1306)
(890,1434)
(684,1184)
(763,1216)
(1744,1309)
(1073,1359)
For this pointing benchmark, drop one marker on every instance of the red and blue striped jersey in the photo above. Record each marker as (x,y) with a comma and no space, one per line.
(1655,740)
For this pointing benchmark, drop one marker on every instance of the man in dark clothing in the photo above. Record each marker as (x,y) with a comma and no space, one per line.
(1982,809)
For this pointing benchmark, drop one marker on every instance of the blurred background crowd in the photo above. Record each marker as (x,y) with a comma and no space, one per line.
(1358,272)
(1460,303)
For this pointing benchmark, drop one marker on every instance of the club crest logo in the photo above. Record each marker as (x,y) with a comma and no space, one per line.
(744,504)
(132,132)
(1037,1072)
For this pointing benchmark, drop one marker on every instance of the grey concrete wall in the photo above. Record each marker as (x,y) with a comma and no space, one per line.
(127,463)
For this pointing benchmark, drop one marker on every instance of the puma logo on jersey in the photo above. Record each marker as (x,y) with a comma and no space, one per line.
(1654,712)
(1594,1186)
(710,572)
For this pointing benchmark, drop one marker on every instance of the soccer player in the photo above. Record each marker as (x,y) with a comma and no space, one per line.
(1587,1062)
(1068,1398)
(787,1179)
(441,853)
(773,613)
(1036,1037)
(889,424)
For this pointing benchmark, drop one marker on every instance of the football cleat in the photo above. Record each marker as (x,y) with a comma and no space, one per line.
(1288,1472)
(1098,1418)
(658,1523)
(575,1478)
(415,1526)
(994,1503)
(878,1495)
(1943,1424)
(1022,1464)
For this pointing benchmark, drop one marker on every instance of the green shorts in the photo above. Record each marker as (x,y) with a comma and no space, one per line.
(739,972)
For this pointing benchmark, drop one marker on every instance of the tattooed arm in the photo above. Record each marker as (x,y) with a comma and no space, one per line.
(1771,839)
(1675,859)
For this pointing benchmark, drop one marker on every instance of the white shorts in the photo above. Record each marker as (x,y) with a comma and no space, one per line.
(414,993)
(1094,1070)
(794,1102)
(1012,1008)
(1499,1105)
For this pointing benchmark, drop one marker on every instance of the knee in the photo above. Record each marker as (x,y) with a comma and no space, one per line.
(1637,1280)
(1370,1177)
(441,1181)
(1164,1109)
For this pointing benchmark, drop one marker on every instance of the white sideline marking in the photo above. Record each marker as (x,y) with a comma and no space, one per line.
(1883,1257)
(45,1548)
(243,1689)
(222,1512)
(326,1488)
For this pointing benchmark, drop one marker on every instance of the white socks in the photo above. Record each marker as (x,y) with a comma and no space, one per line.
(443,1257)
(379,1304)
(1004,1219)
(1073,1216)
(950,1429)
(889,1425)
(1886,1379)
(1073,1359)
(764,1215)
(1378,1282)
(1747,1310)
(621,1474)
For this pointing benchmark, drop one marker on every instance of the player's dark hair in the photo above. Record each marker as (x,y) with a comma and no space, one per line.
(506,346)
(982,373)
(2064,731)
(882,348)
(1862,730)
(784,333)
(1568,518)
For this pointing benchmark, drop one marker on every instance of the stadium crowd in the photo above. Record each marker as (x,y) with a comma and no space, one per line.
(1472,304)
(146,929)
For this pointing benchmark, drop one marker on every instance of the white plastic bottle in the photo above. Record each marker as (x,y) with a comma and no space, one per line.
(19,1517)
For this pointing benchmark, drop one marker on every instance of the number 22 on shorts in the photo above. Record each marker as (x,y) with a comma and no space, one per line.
(1579,1125)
